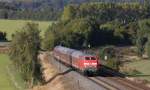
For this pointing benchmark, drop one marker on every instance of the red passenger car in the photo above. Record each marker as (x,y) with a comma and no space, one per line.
(84,62)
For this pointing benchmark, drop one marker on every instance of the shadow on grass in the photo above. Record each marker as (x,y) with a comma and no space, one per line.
(109,72)
(58,74)
(142,75)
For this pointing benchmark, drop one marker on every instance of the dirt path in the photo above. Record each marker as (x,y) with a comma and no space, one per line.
(50,75)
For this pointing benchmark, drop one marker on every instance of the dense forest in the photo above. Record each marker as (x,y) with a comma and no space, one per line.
(42,9)
(99,24)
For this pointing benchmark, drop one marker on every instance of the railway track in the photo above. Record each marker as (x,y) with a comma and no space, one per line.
(117,83)
(112,81)
(125,83)
(120,79)
(129,84)
(103,83)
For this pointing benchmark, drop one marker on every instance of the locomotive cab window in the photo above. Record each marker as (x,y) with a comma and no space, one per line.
(87,58)
(93,58)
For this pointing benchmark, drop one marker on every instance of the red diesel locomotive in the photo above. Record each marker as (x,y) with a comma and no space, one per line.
(86,63)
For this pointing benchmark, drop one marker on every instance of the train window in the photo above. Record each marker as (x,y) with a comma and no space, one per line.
(93,58)
(87,58)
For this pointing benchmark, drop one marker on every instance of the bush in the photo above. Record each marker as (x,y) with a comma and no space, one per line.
(3,36)
(113,63)
(107,51)
(49,41)
(24,51)
(129,71)
(148,49)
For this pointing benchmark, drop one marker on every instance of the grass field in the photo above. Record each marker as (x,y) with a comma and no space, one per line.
(10,26)
(143,67)
(6,82)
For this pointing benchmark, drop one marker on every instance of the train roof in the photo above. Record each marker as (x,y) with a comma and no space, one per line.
(78,54)
(72,52)
(64,49)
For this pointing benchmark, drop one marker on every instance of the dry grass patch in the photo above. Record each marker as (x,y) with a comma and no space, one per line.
(60,82)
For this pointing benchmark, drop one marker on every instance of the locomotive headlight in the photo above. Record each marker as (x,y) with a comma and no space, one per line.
(86,64)
(94,63)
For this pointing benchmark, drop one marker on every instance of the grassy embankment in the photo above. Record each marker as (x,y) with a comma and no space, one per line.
(141,66)
(9,78)
(10,26)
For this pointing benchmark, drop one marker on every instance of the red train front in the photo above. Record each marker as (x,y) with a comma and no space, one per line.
(86,63)
(90,64)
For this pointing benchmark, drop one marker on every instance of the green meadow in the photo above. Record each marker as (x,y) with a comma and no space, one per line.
(141,66)
(11,26)
(9,78)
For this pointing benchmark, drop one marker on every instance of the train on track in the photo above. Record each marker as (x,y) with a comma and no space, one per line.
(86,63)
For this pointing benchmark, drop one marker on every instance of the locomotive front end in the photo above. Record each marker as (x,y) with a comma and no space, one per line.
(91,65)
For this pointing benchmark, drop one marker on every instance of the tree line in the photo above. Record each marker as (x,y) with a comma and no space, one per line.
(99,24)
(43,9)
(15,10)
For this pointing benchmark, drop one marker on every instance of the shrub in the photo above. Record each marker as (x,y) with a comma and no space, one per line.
(148,49)
(107,51)
(129,71)
(24,51)
(113,63)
